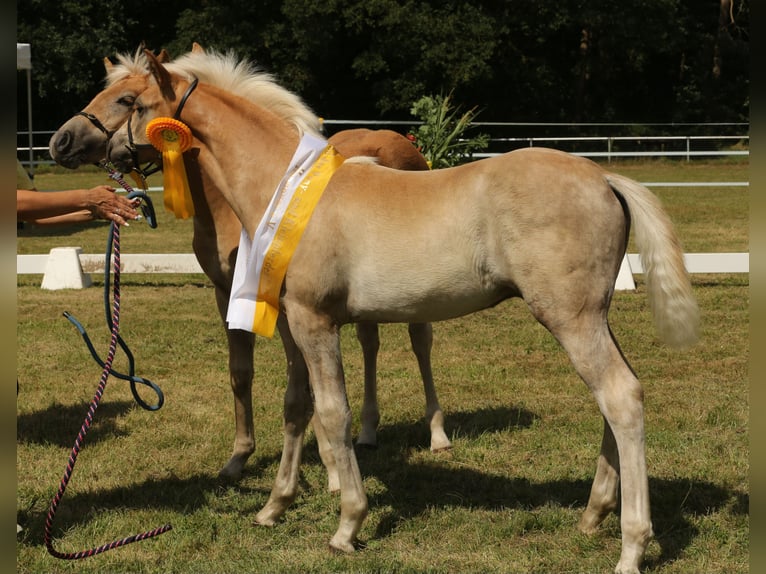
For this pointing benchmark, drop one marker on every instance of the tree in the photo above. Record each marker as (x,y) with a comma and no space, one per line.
(416,47)
(565,61)
(70,42)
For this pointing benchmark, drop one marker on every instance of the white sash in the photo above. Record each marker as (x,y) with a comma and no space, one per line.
(251,254)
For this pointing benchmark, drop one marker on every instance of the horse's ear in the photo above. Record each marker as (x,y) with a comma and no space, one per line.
(108,65)
(163,57)
(161,75)
(197,49)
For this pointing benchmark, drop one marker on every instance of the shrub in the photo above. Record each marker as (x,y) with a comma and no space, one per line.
(439,137)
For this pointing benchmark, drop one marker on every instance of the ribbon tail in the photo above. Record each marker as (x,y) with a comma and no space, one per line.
(265,319)
(177,197)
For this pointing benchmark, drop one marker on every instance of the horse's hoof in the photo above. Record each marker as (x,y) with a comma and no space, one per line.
(439,449)
(267,517)
(227,476)
(264,522)
(232,470)
(342,547)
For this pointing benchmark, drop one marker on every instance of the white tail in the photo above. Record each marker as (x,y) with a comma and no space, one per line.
(674,308)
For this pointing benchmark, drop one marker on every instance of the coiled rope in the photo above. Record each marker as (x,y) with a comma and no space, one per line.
(113,322)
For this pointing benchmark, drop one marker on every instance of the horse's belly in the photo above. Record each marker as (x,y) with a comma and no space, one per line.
(412,301)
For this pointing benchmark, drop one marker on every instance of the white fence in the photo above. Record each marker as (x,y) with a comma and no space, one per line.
(68,268)
(607,146)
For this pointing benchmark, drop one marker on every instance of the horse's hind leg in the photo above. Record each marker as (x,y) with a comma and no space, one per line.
(421,337)
(369,339)
(598,360)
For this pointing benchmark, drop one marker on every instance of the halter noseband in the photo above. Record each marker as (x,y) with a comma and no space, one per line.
(134,147)
(96,122)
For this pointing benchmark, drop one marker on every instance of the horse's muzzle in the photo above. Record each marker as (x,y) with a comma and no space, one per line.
(61,149)
(120,154)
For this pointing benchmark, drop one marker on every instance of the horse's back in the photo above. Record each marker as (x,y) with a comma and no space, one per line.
(533,189)
(390,148)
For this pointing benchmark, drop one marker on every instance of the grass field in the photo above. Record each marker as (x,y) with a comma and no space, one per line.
(525,430)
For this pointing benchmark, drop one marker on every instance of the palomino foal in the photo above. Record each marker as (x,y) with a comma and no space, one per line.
(542,225)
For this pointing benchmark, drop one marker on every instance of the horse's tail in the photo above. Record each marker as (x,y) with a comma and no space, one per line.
(674,308)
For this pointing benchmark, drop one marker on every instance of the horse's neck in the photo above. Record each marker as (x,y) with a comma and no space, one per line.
(244,151)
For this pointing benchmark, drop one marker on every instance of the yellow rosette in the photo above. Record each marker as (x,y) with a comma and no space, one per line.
(172,137)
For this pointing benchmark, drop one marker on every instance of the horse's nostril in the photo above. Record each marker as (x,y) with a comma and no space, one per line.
(63,142)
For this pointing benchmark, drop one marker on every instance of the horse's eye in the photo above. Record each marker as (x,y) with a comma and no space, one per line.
(127,101)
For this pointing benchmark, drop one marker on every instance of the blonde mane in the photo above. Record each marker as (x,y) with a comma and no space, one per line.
(233,75)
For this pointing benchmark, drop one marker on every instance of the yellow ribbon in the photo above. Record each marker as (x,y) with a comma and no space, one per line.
(286,237)
(172,138)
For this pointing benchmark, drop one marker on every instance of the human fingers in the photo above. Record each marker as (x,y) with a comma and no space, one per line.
(124,213)
(121,217)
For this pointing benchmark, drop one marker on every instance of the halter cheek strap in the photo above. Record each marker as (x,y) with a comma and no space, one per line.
(134,147)
(182,103)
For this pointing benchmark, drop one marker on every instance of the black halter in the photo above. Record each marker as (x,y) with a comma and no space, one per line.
(134,147)
(96,122)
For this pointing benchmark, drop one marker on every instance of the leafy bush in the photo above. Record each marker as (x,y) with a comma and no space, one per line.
(439,137)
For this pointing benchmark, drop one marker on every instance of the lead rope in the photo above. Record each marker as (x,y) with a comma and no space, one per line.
(107,364)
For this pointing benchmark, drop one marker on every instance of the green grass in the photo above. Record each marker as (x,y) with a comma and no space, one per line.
(506,498)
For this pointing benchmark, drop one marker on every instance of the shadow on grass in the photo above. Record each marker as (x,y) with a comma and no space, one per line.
(58,424)
(414,488)
(31,230)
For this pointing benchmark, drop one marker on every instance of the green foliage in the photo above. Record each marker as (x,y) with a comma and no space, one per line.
(440,137)
(606,61)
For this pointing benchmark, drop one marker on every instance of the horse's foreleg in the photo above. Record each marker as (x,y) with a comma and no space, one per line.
(241,345)
(421,337)
(296,368)
(297,413)
(367,334)
(319,342)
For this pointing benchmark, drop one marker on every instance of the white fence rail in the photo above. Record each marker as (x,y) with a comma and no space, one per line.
(68,268)
(609,147)
(187,263)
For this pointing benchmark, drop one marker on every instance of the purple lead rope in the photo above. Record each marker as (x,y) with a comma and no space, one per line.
(115,230)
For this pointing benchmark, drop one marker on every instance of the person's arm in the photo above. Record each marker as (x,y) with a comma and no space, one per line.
(66,219)
(74,206)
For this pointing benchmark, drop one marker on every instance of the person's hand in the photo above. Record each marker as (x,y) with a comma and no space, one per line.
(104,203)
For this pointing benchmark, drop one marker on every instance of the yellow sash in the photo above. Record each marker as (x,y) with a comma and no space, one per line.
(288,233)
